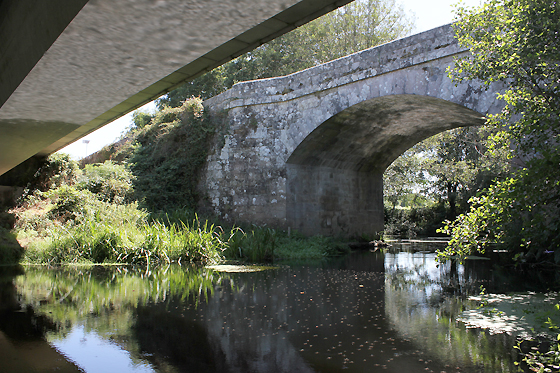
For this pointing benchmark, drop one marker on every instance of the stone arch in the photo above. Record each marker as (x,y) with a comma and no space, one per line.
(308,150)
(335,175)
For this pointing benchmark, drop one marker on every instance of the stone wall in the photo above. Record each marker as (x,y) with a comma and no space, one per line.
(336,202)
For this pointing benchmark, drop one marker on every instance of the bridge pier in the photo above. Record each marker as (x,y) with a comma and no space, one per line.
(333,202)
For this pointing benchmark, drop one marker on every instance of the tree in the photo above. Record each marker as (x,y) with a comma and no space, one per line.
(141,119)
(460,165)
(403,177)
(450,167)
(515,42)
(436,178)
(354,27)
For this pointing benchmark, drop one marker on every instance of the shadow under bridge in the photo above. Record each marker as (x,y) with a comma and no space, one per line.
(335,175)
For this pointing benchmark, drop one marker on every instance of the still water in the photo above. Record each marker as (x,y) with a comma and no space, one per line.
(366,312)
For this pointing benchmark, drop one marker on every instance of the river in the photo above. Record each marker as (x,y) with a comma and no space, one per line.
(370,311)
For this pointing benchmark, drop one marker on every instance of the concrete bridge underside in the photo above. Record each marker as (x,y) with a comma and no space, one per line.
(68,67)
(308,151)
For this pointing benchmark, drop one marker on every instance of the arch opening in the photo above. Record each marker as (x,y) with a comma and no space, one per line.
(335,175)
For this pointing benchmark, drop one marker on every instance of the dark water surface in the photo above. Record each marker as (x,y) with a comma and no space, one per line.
(367,312)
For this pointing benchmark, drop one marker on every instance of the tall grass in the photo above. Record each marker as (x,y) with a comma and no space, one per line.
(95,231)
(69,225)
(257,245)
(262,244)
(125,234)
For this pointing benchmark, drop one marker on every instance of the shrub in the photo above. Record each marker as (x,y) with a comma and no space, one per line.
(57,169)
(70,203)
(407,223)
(10,250)
(168,155)
(111,182)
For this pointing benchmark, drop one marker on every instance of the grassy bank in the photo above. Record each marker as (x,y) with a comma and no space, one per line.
(67,225)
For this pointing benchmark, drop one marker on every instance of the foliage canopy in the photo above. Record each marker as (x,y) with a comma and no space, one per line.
(516,42)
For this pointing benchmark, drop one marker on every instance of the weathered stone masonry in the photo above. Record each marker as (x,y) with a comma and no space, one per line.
(308,150)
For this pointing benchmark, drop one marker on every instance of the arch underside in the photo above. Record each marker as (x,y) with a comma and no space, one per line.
(335,175)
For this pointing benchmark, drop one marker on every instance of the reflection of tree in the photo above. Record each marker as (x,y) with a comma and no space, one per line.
(23,324)
(8,295)
(71,295)
(423,301)
(74,292)
(22,333)
(303,319)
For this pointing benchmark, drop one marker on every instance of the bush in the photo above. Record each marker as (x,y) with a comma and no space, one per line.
(58,169)
(10,250)
(168,155)
(408,223)
(519,214)
(69,203)
(111,182)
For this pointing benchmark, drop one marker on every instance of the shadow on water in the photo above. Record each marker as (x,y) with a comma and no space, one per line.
(392,310)
(23,347)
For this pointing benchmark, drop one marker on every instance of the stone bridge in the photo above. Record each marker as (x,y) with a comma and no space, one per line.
(308,151)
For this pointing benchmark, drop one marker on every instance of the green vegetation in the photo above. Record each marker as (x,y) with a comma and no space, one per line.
(110,292)
(268,243)
(71,224)
(515,41)
(434,180)
(498,186)
(168,153)
(136,204)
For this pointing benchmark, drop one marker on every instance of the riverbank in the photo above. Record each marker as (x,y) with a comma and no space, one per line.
(71,227)
(95,215)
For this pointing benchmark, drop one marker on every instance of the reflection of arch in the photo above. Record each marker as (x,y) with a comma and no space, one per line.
(335,175)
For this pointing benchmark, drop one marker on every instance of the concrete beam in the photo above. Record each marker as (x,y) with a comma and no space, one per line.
(68,70)
(28,29)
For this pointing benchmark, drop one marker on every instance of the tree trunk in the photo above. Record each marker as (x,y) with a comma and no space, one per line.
(452,199)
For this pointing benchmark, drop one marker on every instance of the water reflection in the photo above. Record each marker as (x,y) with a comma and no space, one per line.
(423,301)
(370,311)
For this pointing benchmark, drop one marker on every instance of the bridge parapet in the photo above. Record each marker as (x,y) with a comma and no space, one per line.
(396,55)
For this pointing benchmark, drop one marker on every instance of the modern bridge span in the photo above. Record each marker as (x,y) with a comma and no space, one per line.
(68,67)
(308,151)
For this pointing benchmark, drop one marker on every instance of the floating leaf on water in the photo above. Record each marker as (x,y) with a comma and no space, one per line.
(230,268)
(519,314)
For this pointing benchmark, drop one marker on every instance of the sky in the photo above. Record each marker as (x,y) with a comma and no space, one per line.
(429,14)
